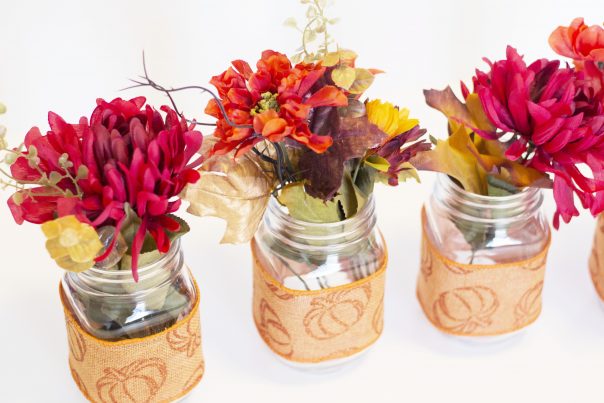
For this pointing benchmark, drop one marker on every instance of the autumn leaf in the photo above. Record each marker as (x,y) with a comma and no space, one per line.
(343,77)
(470,159)
(324,172)
(455,157)
(236,190)
(446,102)
(363,80)
(304,207)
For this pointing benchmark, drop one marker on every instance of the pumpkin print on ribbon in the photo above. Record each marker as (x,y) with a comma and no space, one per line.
(480,300)
(138,382)
(595,261)
(77,343)
(322,325)
(186,339)
(159,368)
(529,305)
(272,330)
(337,312)
(463,310)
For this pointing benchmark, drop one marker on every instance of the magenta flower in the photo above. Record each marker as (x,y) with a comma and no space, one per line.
(129,154)
(555,122)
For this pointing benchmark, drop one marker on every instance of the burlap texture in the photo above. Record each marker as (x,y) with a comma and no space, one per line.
(596,259)
(322,325)
(159,368)
(479,300)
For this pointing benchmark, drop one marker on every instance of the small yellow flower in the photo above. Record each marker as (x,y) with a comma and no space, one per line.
(72,243)
(389,118)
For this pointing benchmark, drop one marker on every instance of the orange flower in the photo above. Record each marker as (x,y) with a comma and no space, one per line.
(273,103)
(579,41)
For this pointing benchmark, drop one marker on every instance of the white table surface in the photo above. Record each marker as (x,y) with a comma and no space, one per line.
(61,55)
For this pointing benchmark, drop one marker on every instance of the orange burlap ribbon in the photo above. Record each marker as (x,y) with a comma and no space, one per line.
(479,300)
(322,325)
(159,368)
(596,261)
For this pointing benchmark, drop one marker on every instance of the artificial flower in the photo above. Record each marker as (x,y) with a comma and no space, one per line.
(71,243)
(399,151)
(579,42)
(537,104)
(127,156)
(389,118)
(273,103)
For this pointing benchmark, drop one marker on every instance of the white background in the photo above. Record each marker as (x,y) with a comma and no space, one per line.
(59,56)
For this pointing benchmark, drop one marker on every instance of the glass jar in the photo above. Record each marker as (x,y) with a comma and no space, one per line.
(315,257)
(488,242)
(473,229)
(111,306)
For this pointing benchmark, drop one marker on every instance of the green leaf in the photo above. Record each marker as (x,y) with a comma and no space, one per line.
(344,76)
(307,208)
(54,178)
(347,197)
(379,163)
(291,22)
(82,172)
(363,80)
(365,181)
(499,187)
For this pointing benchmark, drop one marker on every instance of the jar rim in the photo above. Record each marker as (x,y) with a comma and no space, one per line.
(278,209)
(523,193)
(511,208)
(143,271)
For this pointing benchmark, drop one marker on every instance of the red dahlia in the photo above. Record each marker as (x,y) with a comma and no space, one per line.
(127,154)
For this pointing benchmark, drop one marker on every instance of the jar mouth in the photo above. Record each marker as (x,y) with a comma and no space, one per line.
(301,234)
(144,272)
(471,206)
(278,210)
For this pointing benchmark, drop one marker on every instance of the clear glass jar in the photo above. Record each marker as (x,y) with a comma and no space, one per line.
(314,256)
(111,306)
(474,229)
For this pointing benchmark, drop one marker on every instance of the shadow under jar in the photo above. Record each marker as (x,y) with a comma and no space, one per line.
(318,288)
(111,306)
(483,261)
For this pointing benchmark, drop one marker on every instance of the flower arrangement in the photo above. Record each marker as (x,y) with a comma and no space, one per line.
(105,189)
(530,125)
(297,129)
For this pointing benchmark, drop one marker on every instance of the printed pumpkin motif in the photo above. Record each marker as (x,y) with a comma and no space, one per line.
(535,264)
(138,382)
(185,339)
(79,382)
(195,378)
(279,293)
(464,310)
(77,343)
(336,313)
(595,268)
(272,330)
(455,269)
(426,262)
(378,318)
(529,305)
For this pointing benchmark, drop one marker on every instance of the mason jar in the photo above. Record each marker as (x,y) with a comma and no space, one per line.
(486,246)
(111,306)
(332,268)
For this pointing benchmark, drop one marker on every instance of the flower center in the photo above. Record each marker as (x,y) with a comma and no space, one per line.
(268,101)
(69,237)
